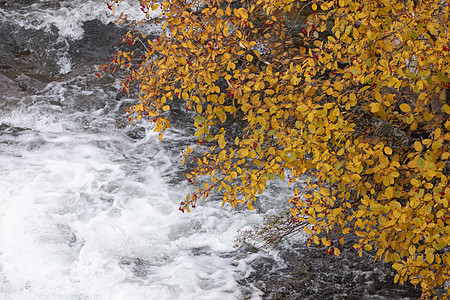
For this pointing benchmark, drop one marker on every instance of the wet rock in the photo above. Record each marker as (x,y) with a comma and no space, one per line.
(8,86)
(99,42)
(138,266)
(30,50)
(12,130)
(7,52)
(20,4)
(121,124)
(30,84)
(44,51)
(137,133)
(17,3)
(311,274)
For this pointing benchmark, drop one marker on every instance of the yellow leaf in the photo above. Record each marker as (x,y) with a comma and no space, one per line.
(337,252)
(222,155)
(426,141)
(222,142)
(352,99)
(436,145)
(325,192)
(378,97)
(405,107)
(430,258)
(409,118)
(437,133)
(302,108)
(338,86)
(355,71)
(446,108)
(389,192)
(166,107)
(420,162)
(316,240)
(312,221)
(418,146)
(326,242)
(388,150)
(375,107)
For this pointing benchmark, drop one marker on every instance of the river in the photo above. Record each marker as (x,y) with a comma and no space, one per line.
(89,204)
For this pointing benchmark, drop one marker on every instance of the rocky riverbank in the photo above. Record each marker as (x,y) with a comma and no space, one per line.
(308,273)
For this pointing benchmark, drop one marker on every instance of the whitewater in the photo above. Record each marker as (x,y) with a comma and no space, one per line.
(89,204)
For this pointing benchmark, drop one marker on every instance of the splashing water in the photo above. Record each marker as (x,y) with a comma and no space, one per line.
(89,205)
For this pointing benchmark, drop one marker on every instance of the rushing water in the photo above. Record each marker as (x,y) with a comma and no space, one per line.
(88,211)
(89,205)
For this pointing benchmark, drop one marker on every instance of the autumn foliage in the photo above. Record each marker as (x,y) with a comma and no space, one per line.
(350,95)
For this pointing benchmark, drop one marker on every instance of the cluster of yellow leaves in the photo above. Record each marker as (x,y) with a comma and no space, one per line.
(355,96)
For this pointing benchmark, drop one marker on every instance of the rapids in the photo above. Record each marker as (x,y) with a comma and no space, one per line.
(89,204)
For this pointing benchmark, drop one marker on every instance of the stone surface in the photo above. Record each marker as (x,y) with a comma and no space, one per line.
(309,273)
(30,84)
(12,130)
(9,87)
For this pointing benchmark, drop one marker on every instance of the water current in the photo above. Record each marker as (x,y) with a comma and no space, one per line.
(89,204)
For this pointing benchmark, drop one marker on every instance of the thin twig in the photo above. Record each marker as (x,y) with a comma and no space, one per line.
(446,29)
(298,16)
(146,49)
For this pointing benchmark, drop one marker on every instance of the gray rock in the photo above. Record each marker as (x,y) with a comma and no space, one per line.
(30,84)
(308,273)
(9,87)
(137,133)
(12,130)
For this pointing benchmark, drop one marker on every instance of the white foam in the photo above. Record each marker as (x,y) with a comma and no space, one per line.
(70,17)
(77,197)
(65,64)
(74,205)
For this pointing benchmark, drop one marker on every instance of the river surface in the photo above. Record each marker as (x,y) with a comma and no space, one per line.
(89,204)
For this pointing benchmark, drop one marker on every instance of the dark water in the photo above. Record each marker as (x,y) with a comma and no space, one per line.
(89,205)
